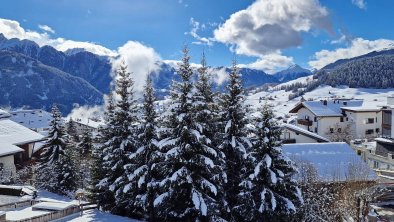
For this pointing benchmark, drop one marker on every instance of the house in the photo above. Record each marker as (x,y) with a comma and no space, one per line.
(365,122)
(4,114)
(321,116)
(295,134)
(83,125)
(35,119)
(333,161)
(17,144)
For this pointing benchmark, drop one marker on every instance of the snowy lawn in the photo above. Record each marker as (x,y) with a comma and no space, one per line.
(95,215)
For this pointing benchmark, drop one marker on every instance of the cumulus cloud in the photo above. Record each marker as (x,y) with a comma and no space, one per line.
(357,47)
(13,29)
(360,3)
(46,28)
(140,60)
(270,63)
(267,27)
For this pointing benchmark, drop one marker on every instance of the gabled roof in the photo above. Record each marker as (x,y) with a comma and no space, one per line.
(32,119)
(305,132)
(8,149)
(15,134)
(326,108)
(4,114)
(333,161)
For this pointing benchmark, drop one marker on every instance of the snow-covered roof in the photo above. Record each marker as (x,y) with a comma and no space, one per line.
(15,134)
(4,114)
(333,161)
(52,206)
(362,109)
(305,132)
(327,107)
(89,122)
(32,119)
(384,140)
(8,149)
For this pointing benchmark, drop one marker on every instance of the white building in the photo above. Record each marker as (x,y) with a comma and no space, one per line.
(295,134)
(365,122)
(16,144)
(322,116)
(83,125)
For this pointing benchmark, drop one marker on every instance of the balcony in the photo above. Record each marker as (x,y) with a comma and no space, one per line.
(305,122)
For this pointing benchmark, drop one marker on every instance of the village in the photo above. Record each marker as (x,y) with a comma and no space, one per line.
(342,143)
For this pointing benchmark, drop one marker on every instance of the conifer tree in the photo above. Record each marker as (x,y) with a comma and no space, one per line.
(234,140)
(121,143)
(269,193)
(56,171)
(188,191)
(71,130)
(142,179)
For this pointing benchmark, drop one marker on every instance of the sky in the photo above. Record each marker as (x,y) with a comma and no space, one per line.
(269,35)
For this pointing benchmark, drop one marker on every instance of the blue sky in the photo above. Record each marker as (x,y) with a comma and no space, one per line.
(294,31)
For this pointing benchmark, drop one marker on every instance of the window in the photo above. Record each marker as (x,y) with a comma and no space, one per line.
(369,131)
(339,130)
(347,118)
(370,120)
(377,130)
(375,164)
(315,119)
(345,103)
(331,130)
(341,119)
(315,129)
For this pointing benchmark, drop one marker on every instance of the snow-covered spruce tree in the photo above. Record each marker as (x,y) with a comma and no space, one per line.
(71,130)
(120,145)
(270,187)
(142,179)
(234,140)
(56,171)
(99,192)
(189,189)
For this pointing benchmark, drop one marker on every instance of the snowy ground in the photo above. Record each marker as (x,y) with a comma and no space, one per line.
(87,216)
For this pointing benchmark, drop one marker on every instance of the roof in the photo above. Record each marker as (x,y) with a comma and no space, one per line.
(16,134)
(384,140)
(362,109)
(333,107)
(52,206)
(32,119)
(305,132)
(333,161)
(89,122)
(4,114)
(9,149)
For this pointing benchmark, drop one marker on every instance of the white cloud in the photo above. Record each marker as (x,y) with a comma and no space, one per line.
(357,47)
(360,3)
(140,59)
(13,29)
(196,26)
(219,76)
(270,63)
(46,28)
(267,27)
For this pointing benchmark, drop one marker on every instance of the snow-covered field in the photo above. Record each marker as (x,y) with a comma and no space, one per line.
(95,215)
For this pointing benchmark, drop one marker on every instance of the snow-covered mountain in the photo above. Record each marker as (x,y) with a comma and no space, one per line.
(291,73)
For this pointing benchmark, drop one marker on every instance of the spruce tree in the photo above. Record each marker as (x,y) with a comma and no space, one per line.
(120,144)
(56,171)
(71,130)
(269,192)
(188,191)
(234,140)
(98,189)
(142,178)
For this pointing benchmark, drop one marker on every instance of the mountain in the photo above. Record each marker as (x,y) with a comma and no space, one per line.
(340,62)
(25,81)
(291,73)
(80,63)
